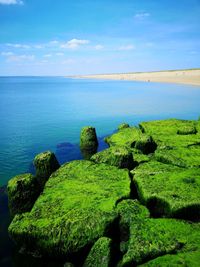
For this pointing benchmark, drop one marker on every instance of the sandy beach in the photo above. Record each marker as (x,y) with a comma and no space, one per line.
(173,76)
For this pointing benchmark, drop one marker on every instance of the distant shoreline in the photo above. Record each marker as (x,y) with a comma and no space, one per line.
(187,76)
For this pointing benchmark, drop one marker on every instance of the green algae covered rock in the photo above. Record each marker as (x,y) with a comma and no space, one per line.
(190,259)
(22,190)
(76,208)
(100,254)
(124,137)
(123,126)
(115,156)
(168,190)
(45,164)
(88,138)
(167,132)
(149,238)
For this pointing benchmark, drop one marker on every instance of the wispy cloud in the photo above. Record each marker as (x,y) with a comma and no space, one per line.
(19,58)
(11,2)
(99,47)
(47,55)
(24,46)
(142,15)
(59,54)
(126,47)
(7,54)
(74,43)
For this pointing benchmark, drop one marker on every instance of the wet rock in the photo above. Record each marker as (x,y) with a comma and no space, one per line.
(88,139)
(100,254)
(22,190)
(45,164)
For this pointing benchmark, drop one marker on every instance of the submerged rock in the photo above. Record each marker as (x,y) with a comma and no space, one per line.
(45,164)
(22,190)
(100,254)
(120,157)
(76,208)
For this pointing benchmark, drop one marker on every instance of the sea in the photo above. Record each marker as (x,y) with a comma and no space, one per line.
(47,113)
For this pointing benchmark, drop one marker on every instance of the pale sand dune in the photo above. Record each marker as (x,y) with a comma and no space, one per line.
(177,76)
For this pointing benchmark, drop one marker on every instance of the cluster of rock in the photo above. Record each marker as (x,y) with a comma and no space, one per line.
(135,203)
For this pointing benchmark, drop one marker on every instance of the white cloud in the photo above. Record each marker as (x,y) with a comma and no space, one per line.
(68,61)
(11,2)
(19,58)
(99,47)
(47,55)
(38,46)
(54,42)
(59,54)
(126,47)
(142,15)
(7,54)
(74,43)
(19,45)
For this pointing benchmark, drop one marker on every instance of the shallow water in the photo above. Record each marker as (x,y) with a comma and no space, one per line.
(39,113)
(47,113)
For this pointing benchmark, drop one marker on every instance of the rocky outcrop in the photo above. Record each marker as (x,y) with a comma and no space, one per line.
(88,142)
(93,213)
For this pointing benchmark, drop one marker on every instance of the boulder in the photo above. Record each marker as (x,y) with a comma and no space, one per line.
(22,190)
(120,157)
(169,190)
(100,254)
(88,139)
(77,206)
(148,238)
(45,164)
(123,126)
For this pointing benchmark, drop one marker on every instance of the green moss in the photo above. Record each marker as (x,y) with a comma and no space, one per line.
(150,238)
(187,129)
(124,137)
(190,259)
(76,208)
(45,164)
(121,157)
(88,138)
(100,254)
(164,132)
(123,126)
(22,190)
(165,190)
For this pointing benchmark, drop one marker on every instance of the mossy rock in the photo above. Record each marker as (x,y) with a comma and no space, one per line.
(125,137)
(164,132)
(139,157)
(168,190)
(121,157)
(76,208)
(149,238)
(146,145)
(88,138)
(123,126)
(190,129)
(45,164)
(100,254)
(22,190)
(189,259)
(186,157)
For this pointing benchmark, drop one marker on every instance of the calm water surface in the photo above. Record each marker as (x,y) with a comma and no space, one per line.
(42,113)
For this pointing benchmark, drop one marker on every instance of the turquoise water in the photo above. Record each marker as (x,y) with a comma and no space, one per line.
(40,113)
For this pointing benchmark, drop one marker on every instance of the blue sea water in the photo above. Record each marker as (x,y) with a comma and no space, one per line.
(47,113)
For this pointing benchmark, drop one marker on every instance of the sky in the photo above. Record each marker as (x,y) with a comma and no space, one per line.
(70,37)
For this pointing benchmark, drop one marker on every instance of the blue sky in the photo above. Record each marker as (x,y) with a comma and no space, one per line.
(65,37)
